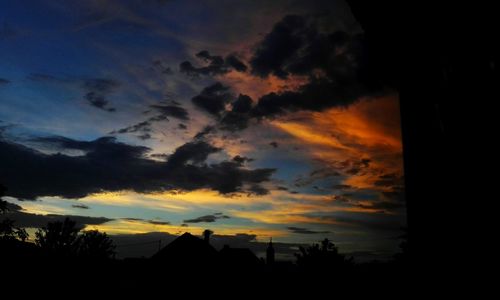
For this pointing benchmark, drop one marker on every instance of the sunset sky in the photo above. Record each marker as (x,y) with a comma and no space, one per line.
(255,119)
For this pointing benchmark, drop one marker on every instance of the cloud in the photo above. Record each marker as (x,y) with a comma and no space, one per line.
(274,144)
(166,70)
(216,65)
(163,113)
(301,230)
(174,111)
(242,159)
(213,99)
(108,165)
(155,222)
(4,81)
(207,218)
(330,65)
(192,152)
(204,132)
(96,91)
(237,117)
(24,219)
(81,206)
(334,168)
(144,126)
(236,63)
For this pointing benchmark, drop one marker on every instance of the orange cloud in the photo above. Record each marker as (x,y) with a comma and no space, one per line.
(369,129)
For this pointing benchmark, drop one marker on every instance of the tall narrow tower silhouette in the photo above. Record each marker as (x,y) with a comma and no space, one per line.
(270,253)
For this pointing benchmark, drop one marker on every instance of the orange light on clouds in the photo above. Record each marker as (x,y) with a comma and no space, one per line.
(369,129)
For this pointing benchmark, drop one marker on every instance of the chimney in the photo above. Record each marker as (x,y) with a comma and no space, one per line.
(206,235)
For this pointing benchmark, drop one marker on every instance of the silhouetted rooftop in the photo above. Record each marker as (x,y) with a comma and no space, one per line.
(187,249)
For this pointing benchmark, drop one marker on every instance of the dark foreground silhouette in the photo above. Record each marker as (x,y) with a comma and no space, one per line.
(62,252)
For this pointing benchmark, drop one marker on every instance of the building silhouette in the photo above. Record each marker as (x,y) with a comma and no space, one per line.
(187,250)
(238,257)
(270,253)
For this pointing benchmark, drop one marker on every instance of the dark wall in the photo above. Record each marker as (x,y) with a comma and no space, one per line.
(443,59)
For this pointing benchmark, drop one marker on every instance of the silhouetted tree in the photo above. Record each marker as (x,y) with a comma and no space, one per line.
(7,229)
(10,232)
(3,203)
(95,245)
(58,238)
(322,257)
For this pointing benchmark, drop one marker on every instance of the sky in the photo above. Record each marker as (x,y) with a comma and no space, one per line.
(255,119)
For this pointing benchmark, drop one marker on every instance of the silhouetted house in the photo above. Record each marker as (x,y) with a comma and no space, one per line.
(270,253)
(238,257)
(187,250)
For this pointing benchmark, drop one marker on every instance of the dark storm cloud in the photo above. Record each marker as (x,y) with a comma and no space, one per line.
(156,222)
(286,38)
(238,117)
(145,127)
(242,104)
(334,169)
(182,126)
(274,144)
(23,219)
(216,65)
(193,152)
(242,159)
(333,62)
(300,230)
(232,113)
(160,66)
(174,111)
(236,63)
(96,91)
(4,81)
(207,218)
(257,190)
(298,45)
(108,165)
(145,136)
(81,206)
(101,148)
(204,132)
(213,99)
